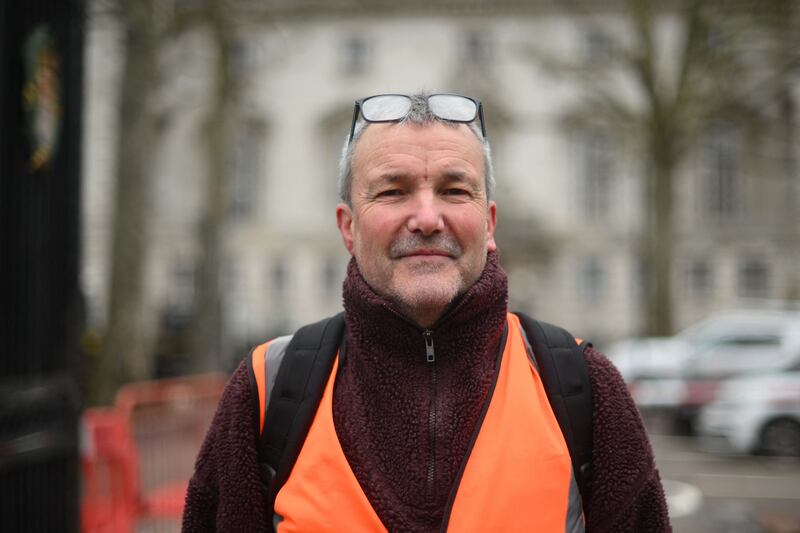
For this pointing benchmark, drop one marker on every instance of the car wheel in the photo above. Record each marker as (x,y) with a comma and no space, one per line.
(781,437)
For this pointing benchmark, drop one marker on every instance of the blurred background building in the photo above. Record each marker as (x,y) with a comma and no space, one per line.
(167,193)
(249,108)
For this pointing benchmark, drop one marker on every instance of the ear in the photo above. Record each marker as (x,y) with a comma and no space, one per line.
(491,223)
(344,221)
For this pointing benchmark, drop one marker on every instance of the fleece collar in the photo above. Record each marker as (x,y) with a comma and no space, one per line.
(374,320)
(404,423)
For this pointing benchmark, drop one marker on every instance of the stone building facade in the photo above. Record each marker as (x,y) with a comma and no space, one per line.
(570,193)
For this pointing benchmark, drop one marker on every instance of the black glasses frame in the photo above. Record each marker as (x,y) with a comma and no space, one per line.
(357,112)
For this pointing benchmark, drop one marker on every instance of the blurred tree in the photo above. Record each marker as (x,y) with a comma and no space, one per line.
(731,55)
(206,330)
(124,355)
(149,26)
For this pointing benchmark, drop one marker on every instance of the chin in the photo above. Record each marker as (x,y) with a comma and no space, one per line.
(427,292)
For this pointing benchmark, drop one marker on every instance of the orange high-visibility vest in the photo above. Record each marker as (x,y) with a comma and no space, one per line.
(518,475)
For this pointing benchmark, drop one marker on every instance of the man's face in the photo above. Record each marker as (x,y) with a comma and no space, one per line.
(420,223)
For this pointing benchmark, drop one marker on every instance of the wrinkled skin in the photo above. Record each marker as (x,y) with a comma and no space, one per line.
(420,223)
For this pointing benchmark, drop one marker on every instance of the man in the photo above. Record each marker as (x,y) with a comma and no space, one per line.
(433,418)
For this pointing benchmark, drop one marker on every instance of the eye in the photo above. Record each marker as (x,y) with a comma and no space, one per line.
(456,192)
(389,193)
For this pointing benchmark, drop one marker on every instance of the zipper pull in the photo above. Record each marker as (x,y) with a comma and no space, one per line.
(428,334)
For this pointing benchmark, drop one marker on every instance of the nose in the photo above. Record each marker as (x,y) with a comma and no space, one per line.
(426,217)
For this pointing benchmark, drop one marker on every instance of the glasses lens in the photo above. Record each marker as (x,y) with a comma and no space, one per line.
(453,107)
(385,107)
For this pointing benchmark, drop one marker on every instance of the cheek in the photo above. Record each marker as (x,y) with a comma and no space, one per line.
(367,247)
(377,231)
(470,228)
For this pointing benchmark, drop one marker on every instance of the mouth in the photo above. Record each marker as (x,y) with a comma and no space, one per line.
(426,253)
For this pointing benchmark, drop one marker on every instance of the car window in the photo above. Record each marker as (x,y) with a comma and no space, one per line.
(751,340)
(738,341)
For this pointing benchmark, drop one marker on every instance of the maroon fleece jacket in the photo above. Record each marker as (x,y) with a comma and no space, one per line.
(405,423)
(404,457)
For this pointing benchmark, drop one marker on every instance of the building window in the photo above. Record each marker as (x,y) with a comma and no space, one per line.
(236,311)
(279,276)
(475,48)
(592,280)
(640,282)
(598,47)
(354,54)
(246,170)
(330,276)
(714,44)
(230,278)
(753,279)
(595,179)
(698,279)
(243,57)
(720,149)
(182,287)
(329,188)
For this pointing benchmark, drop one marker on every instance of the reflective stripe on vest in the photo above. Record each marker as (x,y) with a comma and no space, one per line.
(518,475)
(265,358)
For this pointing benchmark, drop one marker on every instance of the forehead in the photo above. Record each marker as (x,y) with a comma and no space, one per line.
(404,144)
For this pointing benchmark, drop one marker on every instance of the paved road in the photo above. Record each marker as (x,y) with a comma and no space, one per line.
(712,492)
(706,492)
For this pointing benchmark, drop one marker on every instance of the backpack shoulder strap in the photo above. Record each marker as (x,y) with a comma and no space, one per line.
(558,357)
(294,380)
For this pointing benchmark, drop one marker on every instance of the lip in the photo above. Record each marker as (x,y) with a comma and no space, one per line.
(427,253)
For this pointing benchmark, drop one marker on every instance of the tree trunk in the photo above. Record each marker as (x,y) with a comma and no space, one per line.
(659,239)
(207,332)
(125,354)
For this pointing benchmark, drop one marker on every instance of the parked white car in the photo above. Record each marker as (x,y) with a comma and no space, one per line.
(756,414)
(681,374)
(652,367)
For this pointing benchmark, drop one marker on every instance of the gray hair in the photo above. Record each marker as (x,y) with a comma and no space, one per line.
(419,114)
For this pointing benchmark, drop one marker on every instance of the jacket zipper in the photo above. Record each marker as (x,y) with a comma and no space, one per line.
(431,359)
(448,509)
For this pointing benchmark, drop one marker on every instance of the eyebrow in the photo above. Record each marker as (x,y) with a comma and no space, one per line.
(449,175)
(459,176)
(385,178)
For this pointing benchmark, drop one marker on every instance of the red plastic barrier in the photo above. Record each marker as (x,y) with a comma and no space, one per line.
(137,456)
(110,473)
